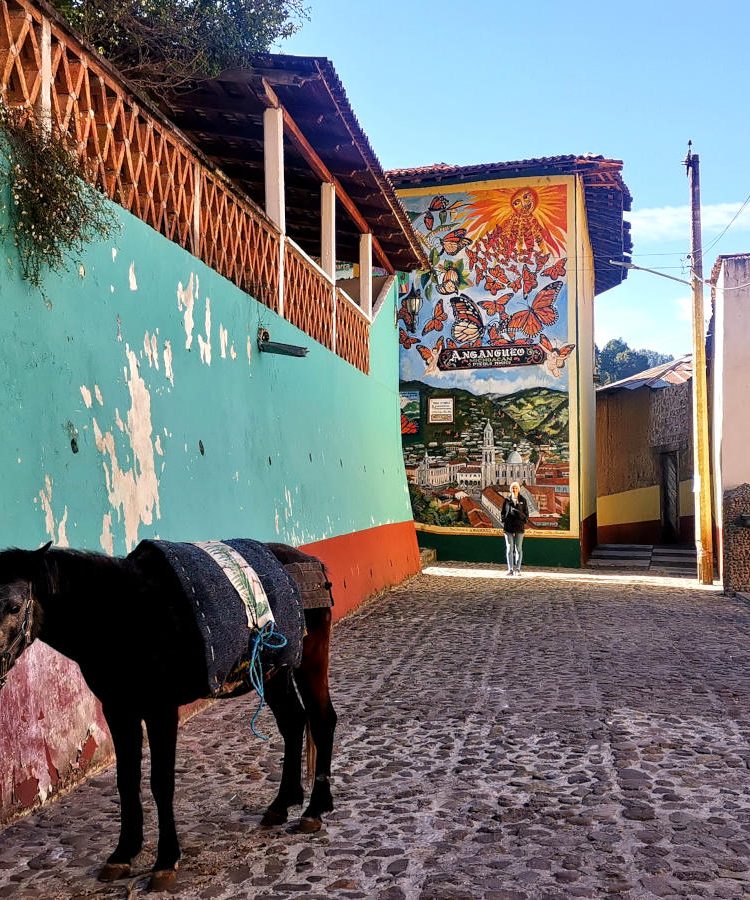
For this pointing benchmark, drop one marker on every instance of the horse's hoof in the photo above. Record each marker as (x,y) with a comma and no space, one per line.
(162,879)
(306,825)
(114,871)
(272,818)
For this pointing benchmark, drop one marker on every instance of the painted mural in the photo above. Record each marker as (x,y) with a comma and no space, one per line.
(485,354)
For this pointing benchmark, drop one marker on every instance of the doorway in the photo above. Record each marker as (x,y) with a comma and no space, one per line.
(670,498)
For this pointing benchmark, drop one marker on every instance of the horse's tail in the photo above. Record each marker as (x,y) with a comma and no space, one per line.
(311,754)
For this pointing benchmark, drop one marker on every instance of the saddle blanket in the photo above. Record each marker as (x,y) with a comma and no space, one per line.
(234,588)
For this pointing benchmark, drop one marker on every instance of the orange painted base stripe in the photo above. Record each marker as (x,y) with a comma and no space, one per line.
(365,562)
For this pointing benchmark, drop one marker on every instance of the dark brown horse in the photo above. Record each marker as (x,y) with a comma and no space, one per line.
(139,652)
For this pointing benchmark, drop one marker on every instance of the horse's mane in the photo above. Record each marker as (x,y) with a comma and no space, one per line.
(65,567)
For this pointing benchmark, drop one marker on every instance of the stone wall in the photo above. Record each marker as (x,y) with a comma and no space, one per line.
(736,543)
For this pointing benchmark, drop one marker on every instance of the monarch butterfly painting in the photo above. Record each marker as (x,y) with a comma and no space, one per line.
(557,270)
(439,318)
(468,326)
(454,241)
(540,313)
(405,340)
(496,307)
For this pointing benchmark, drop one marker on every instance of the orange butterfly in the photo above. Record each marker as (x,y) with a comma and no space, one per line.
(495,307)
(407,426)
(541,313)
(405,340)
(495,335)
(515,285)
(468,327)
(529,281)
(541,260)
(439,318)
(472,256)
(556,270)
(495,280)
(406,317)
(429,220)
(454,241)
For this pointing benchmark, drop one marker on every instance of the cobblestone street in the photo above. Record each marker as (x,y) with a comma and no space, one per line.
(558,735)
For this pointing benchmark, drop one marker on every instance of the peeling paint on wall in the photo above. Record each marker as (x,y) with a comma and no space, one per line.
(131,277)
(133,492)
(106,539)
(151,349)
(249,349)
(223,338)
(86,394)
(205,343)
(56,533)
(185,303)
(168,362)
(98,395)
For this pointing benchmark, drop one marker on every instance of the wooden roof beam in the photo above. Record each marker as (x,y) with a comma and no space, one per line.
(324,173)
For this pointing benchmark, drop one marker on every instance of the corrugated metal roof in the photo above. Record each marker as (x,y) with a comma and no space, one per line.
(678,371)
(606,194)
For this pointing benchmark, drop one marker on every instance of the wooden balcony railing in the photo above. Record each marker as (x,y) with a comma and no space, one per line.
(352,332)
(141,161)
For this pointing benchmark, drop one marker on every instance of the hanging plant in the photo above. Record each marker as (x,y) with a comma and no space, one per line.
(54,211)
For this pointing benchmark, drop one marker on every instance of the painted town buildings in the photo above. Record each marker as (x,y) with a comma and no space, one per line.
(496,344)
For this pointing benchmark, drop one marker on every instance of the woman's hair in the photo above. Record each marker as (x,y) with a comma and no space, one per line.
(515,484)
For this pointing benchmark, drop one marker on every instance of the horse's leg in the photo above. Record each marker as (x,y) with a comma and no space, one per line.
(127,736)
(161,724)
(290,717)
(312,681)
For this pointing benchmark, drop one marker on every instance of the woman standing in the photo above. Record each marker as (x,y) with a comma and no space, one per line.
(514,515)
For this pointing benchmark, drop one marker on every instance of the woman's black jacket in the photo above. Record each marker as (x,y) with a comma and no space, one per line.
(514,515)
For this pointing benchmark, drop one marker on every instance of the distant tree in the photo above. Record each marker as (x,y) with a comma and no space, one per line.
(160,45)
(617,360)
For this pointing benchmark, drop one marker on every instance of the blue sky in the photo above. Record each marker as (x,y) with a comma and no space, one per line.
(481,81)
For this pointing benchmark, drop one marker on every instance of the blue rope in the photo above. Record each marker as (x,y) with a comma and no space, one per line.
(267,638)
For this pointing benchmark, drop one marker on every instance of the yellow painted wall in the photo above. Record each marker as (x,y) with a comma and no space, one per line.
(640,505)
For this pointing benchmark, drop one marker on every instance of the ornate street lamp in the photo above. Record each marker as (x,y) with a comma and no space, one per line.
(413,303)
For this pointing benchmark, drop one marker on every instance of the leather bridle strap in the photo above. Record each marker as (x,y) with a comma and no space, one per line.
(19,643)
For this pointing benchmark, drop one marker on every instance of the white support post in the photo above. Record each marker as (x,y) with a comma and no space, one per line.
(273,159)
(44,101)
(328,244)
(328,230)
(365,274)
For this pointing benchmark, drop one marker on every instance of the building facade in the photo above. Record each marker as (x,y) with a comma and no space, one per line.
(497,350)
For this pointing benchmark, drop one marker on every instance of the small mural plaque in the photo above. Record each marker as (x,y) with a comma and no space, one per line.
(440,410)
(490,357)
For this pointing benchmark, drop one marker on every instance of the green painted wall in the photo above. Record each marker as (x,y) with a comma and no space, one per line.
(294,449)
(491,549)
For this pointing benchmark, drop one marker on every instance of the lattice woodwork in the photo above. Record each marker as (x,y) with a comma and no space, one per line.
(308,298)
(352,333)
(140,163)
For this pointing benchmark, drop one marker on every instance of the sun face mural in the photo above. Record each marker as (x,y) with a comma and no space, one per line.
(486,328)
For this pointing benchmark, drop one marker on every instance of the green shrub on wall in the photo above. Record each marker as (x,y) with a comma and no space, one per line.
(54,212)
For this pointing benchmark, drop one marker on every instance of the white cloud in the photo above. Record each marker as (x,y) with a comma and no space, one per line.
(666,223)
(684,309)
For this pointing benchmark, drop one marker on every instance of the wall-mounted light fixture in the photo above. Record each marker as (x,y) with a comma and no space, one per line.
(413,302)
(266,345)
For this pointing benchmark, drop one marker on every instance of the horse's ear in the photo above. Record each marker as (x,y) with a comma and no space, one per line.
(42,550)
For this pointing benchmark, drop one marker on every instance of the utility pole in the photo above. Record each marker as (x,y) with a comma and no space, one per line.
(702,486)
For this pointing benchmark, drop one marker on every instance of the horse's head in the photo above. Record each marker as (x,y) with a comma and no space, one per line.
(18,570)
